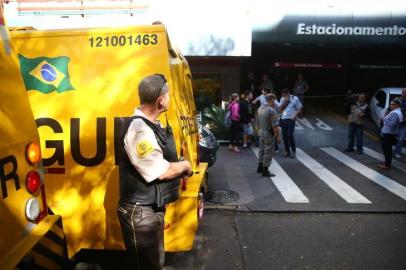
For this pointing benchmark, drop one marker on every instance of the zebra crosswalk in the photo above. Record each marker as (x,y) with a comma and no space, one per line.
(348,190)
(373,175)
(379,156)
(344,190)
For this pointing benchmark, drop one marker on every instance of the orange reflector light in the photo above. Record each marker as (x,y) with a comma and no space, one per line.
(33,153)
(166,225)
(33,181)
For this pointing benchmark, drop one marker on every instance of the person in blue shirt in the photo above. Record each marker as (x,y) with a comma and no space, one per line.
(390,129)
(261,98)
(289,107)
(402,129)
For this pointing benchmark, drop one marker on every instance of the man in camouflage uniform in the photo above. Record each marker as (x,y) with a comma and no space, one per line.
(269,133)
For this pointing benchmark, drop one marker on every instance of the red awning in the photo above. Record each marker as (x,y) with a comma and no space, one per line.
(306,65)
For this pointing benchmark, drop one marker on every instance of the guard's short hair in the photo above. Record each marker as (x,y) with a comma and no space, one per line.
(270,97)
(151,87)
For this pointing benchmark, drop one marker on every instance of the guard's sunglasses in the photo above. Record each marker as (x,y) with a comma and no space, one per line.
(162,85)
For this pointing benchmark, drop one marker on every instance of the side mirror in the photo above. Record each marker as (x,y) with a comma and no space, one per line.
(379,104)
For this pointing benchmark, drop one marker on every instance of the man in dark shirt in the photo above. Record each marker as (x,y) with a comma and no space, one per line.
(402,130)
(249,82)
(356,120)
(247,116)
(299,89)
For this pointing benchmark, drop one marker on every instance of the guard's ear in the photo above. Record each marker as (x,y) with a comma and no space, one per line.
(160,101)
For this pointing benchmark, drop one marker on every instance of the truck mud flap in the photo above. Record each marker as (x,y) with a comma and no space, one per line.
(50,252)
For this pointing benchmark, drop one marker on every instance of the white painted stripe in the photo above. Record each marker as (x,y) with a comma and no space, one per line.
(344,190)
(403,150)
(289,190)
(322,125)
(379,156)
(372,175)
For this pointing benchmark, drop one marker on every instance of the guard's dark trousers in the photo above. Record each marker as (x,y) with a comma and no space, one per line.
(143,233)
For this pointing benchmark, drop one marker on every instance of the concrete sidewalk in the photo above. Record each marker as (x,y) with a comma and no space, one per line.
(237,172)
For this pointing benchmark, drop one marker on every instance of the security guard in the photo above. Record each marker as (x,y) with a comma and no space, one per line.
(149,175)
(269,133)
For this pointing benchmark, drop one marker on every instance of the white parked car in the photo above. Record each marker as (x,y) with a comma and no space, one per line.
(380,102)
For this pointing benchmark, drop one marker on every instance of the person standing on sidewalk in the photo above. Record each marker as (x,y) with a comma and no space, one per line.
(247,116)
(266,83)
(261,98)
(402,129)
(356,120)
(275,106)
(234,108)
(149,175)
(290,107)
(300,88)
(391,125)
(269,133)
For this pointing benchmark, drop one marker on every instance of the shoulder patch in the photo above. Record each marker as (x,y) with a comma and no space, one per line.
(144,148)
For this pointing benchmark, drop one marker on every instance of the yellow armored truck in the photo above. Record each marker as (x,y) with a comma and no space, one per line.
(30,237)
(81,84)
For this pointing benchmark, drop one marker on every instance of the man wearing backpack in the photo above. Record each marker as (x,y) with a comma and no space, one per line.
(402,130)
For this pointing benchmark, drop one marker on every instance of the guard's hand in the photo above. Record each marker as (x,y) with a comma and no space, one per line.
(188,169)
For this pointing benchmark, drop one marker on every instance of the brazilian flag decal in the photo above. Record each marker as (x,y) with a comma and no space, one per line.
(45,74)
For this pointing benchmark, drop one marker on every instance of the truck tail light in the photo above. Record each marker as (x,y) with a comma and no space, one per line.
(32,209)
(33,153)
(33,181)
(35,186)
(184,184)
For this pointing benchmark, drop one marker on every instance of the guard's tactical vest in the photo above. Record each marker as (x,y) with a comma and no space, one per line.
(133,187)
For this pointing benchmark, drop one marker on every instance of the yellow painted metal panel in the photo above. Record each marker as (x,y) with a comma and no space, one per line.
(78,111)
(182,216)
(17,130)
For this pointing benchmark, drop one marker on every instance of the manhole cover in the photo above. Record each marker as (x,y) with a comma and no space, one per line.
(221,196)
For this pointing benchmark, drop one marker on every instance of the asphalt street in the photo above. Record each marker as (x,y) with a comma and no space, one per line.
(303,240)
(322,178)
(325,209)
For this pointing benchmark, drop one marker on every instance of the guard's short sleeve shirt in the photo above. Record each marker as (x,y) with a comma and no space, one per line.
(143,150)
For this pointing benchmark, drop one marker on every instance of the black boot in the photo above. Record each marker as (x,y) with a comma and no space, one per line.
(259,169)
(267,173)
